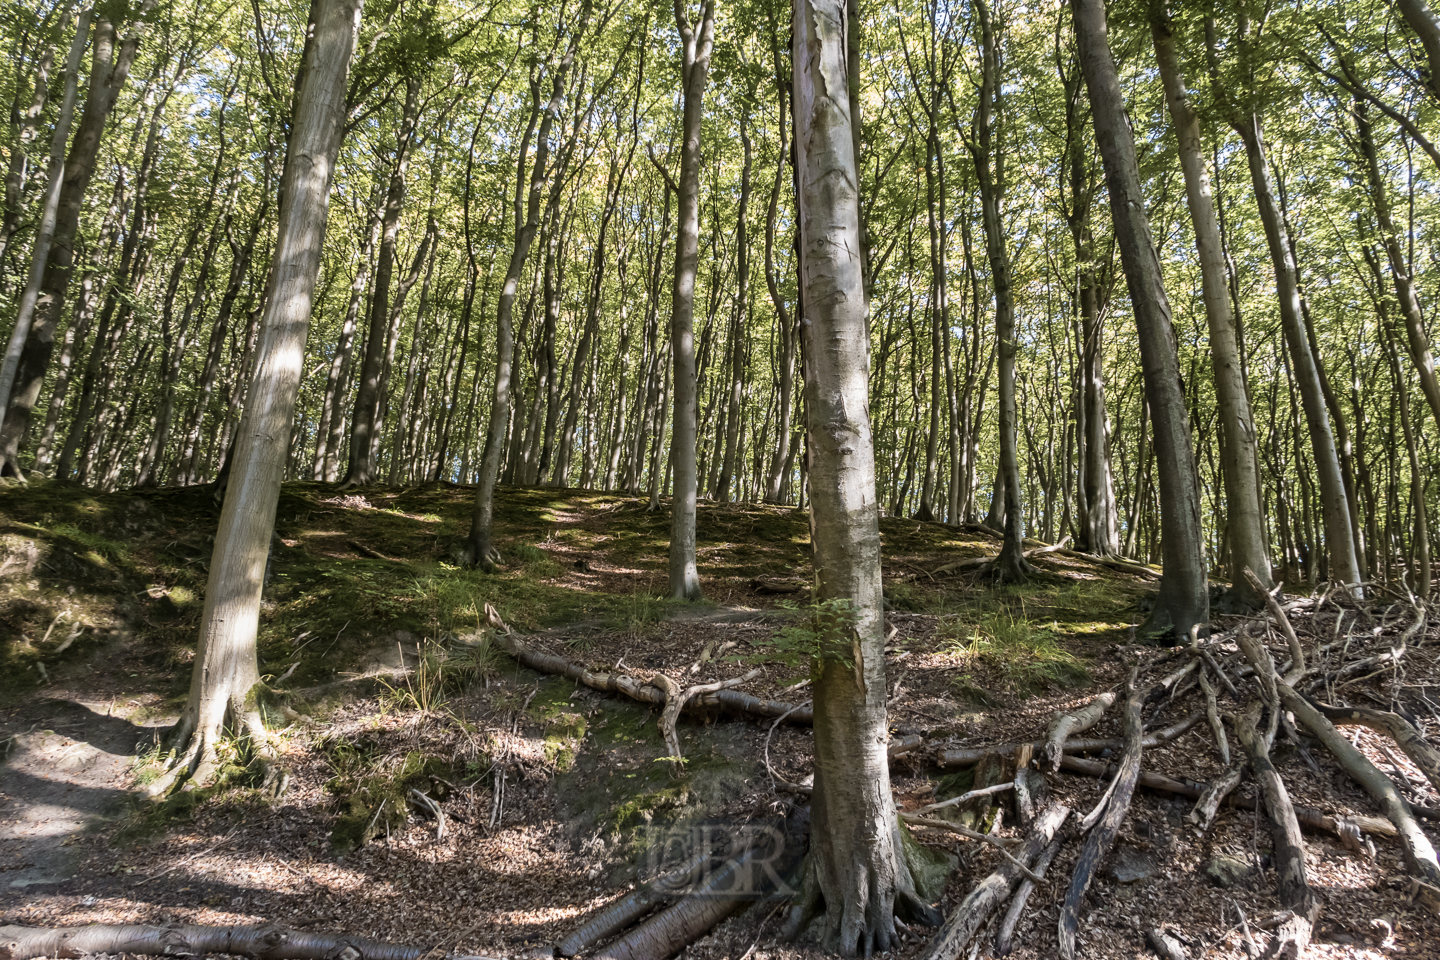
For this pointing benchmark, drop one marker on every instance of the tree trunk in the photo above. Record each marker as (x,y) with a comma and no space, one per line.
(1245,530)
(363,426)
(1339,532)
(108,72)
(527,220)
(856,866)
(989,154)
(697,40)
(1422,20)
(226,676)
(1184,599)
(50,205)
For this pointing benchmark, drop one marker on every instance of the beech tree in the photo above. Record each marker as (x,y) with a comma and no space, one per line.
(856,873)
(1184,599)
(225,683)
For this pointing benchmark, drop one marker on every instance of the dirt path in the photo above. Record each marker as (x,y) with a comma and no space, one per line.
(66,764)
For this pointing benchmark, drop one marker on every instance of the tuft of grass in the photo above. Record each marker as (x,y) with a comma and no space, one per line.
(1027,655)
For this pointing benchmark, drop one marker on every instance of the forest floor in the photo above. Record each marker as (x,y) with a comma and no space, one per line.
(555,795)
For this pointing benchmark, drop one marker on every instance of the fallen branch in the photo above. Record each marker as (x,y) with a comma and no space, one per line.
(1114,563)
(1022,896)
(969,756)
(1296,669)
(675,700)
(969,834)
(990,893)
(1419,853)
(1102,835)
(1076,721)
(262,942)
(1308,816)
(1165,945)
(607,682)
(964,797)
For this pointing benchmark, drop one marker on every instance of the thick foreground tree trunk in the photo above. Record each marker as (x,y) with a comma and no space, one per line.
(856,869)
(1184,599)
(226,676)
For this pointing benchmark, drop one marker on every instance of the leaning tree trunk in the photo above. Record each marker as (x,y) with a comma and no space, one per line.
(856,867)
(1245,528)
(1184,599)
(226,676)
(697,40)
(49,208)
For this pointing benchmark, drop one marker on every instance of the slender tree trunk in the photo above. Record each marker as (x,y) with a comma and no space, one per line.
(527,219)
(1400,273)
(739,329)
(49,213)
(1184,599)
(226,675)
(363,427)
(697,40)
(1244,528)
(989,154)
(1339,531)
(110,67)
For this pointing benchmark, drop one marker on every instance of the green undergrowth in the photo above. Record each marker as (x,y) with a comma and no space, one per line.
(372,789)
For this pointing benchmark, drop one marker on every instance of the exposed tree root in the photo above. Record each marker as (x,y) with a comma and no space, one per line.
(994,890)
(1406,737)
(263,942)
(1294,890)
(194,752)
(1104,822)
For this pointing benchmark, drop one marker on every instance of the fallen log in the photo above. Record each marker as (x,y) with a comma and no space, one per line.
(950,757)
(675,927)
(1106,827)
(624,910)
(990,893)
(261,942)
(1165,945)
(636,689)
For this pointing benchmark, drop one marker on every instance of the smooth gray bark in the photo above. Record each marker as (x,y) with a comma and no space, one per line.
(856,866)
(1184,599)
(1244,529)
(226,674)
(697,39)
